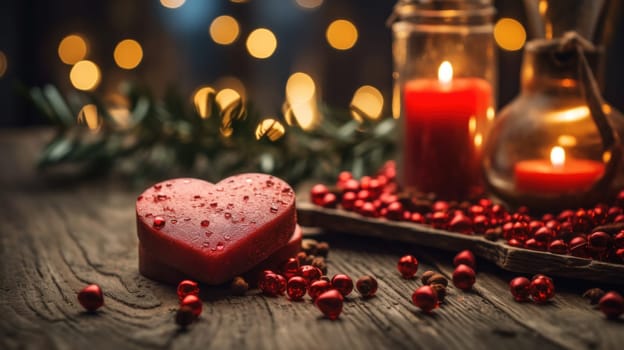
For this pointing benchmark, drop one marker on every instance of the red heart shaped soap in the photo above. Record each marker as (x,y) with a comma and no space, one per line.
(213,232)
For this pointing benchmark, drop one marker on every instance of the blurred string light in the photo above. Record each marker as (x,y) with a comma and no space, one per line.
(261,43)
(172,4)
(88,116)
(72,49)
(367,102)
(271,128)
(509,34)
(228,100)
(85,75)
(341,34)
(231,82)
(309,4)
(396,101)
(224,30)
(128,54)
(239,1)
(301,101)
(202,99)
(3,64)
(226,97)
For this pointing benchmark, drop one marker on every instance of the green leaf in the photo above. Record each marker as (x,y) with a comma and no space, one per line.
(58,105)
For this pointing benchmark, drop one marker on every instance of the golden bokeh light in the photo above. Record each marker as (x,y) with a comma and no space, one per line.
(300,88)
(3,64)
(224,30)
(88,116)
(490,114)
(85,75)
(261,43)
(172,4)
(396,101)
(368,101)
(509,34)
(121,116)
(72,49)
(231,82)
(309,4)
(305,114)
(341,34)
(226,97)
(566,140)
(202,100)
(128,54)
(271,128)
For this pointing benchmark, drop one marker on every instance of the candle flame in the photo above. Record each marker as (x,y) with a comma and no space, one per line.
(557,156)
(445,72)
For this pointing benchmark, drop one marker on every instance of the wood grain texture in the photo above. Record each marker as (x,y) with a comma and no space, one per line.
(500,253)
(55,239)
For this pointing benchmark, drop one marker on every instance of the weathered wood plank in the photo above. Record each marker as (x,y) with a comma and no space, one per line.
(503,255)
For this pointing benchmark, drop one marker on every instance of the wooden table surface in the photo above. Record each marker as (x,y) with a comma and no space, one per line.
(56,238)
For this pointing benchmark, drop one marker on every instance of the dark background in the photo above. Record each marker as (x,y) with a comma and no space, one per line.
(178,50)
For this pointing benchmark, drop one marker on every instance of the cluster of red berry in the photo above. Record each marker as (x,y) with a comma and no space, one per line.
(433,291)
(540,288)
(190,304)
(610,303)
(580,232)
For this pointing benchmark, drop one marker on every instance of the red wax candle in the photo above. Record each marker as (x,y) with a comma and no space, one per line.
(441,149)
(557,175)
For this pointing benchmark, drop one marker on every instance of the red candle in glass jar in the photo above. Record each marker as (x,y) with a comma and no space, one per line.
(441,145)
(557,175)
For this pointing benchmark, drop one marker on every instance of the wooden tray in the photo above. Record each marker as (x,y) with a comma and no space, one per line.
(507,257)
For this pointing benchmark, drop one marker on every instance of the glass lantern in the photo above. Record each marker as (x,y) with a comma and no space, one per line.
(445,73)
(557,143)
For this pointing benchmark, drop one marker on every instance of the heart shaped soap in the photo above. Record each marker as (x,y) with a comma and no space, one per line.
(213,232)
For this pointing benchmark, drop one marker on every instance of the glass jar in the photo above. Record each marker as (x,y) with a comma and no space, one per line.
(556,144)
(444,75)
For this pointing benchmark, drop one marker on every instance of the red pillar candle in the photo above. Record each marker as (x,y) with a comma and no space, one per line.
(441,145)
(557,175)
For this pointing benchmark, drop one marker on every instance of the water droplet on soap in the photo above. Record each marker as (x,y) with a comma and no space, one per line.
(227,215)
(162,197)
(196,196)
(219,189)
(157,186)
(168,184)
(159,222)
(220,246)
(205,223)
(187,219)
(248,180)
(230,206)
(214,204)
(187,181)
(148,215)
(206,244)
(174,221)
(245,198)
(227,237)
(270,183)
(208,233)
(139,198)
(274,208)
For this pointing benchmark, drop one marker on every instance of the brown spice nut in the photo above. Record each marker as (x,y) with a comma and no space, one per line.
(309,246)
(184,316)
(319,262)
(302,257)
(426,276)
(239,286)
(309,259)
(437,279)
(594,295)
(440,290)
(322,249)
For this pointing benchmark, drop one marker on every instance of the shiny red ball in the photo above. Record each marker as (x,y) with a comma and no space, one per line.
(426,298)
(296,288)
(194,303)
(329,200)
(348,200)
(290,268)
(464,277)
(461,223)
(309,273)
(317,193)
(407,266)
(272,284)
(618,240)
(330,303)
(558,246)
(366,286)
(395,211)
(520,288)
(187,287)
(317,288)
(612,305)
(91,297)
(599,241)
(542,289)
(342,283)
(465,257)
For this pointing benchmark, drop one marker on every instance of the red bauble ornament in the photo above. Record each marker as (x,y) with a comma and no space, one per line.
(317,193)
(91,297)
(309,273)
(330,303)
(558,246)
(348,200)
(465,257)
(272,284)
(544,235)
(317,288)
(395,211)
(407,266)
(426,298)
(368,209)
(520,288)
(464,277)
(618,240)
(612,305)
(187,287)
(342,283)
(329,200)
(296,288)
(542,289)
(460,223)
(290,268)
(599,241)
(194,303)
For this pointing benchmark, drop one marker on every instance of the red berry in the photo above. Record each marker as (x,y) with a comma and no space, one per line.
(192,302)
(578,247)
(480,224)
(461,223)
(348,200)
(351,185)
(542,289)
(366,286)
(558,246)
(342,283)
(599,241)
(343,177)
(290,268)
(514,242)
(464,277)
(330,303)
(91,297)
(318,287)
(296,288)
(426,298)
(407,266)
(417,218)
(439,219)
(618,241)
(395,211)
(544,235)
(612,305)
(465,257)
(187,287)
(317,193)
(329,200)
(272,284)
(309,273)
(533,244)
(520,288)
